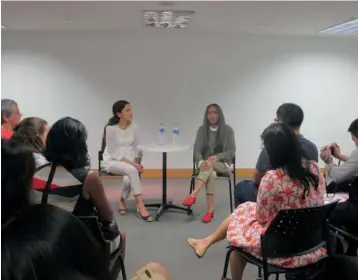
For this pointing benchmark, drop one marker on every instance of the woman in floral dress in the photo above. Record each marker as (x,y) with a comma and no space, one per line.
(292,182)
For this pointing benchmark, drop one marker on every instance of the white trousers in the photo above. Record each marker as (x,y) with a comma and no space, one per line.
(131,179)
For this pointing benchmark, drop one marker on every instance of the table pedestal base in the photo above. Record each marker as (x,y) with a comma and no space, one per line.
(166,206)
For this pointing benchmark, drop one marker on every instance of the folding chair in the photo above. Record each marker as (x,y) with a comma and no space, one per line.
(293,232)
(115,261)
(230,177)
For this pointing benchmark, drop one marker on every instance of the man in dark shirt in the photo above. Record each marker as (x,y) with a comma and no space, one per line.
(291,115)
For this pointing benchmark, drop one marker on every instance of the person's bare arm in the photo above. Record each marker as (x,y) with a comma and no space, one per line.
(93,189)
(343,158)
(257,177)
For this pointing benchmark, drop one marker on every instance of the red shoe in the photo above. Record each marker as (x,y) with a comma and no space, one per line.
(189,201)
(208,217)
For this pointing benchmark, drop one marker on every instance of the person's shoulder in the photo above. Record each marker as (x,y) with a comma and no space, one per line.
(354,153)
(110,128)
(229,128)
(307,142)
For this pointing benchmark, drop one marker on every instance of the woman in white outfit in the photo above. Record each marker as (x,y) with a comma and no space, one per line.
(121,156)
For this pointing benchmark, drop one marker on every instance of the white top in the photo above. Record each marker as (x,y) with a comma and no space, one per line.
(40,160)
(156,148)
(121,143)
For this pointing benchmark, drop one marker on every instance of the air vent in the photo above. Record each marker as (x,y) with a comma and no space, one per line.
(167,19)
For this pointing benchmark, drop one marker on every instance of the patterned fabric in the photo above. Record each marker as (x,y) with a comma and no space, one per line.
(277,191)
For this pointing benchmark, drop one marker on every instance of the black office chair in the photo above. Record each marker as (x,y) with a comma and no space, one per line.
(115,261)
(230,177)
(293,232)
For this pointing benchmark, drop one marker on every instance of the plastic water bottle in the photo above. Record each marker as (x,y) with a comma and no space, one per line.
(175,135)
(161,134)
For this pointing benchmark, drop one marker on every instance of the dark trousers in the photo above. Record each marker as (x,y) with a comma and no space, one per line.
(245,191)
(341,187)
(345,216)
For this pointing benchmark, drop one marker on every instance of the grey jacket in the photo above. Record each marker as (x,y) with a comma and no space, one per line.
(345,172)
(229,146)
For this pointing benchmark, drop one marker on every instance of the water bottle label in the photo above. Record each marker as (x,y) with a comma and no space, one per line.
(161,130)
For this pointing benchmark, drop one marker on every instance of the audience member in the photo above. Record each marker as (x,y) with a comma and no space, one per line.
(43,242)
(32,132)
(344,178)
(66,146)
(214,150)
(10,117)
(17,171)
(291,115)
(121,156)
(294,181)
(341,175)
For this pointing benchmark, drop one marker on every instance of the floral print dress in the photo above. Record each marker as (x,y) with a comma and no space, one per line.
(276,191)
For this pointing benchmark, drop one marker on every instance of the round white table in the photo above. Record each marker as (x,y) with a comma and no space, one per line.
(164,149)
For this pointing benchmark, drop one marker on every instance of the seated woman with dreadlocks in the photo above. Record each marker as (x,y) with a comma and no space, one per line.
(214,150)
(293,182)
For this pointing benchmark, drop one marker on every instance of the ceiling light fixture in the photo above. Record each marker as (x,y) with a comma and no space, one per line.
(347,28)
(66,21)
(167,19)
(3,27)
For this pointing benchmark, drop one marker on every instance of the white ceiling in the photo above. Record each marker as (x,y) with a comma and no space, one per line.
(275,18)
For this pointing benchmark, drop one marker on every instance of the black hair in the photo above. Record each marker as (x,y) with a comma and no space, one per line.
(285,152)
(117,108)
(48,243)
(220,135)
(17,172)
(66,144)
(28,132)
(290,114)
(353,128)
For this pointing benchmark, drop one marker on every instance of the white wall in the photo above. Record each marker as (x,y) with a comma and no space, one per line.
(172,76)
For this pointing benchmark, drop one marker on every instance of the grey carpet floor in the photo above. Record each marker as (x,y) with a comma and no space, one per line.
(166,241)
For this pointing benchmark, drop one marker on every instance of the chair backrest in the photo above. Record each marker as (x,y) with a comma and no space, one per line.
(295,232)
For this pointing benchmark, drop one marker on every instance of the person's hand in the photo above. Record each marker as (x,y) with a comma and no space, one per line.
(336,150)
(326,154)
(205,166)
(139,167)
(212,159)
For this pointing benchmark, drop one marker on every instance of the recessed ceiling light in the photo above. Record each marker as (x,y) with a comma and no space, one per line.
(66,21)
(167,19)
(3,27)
(346,28)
